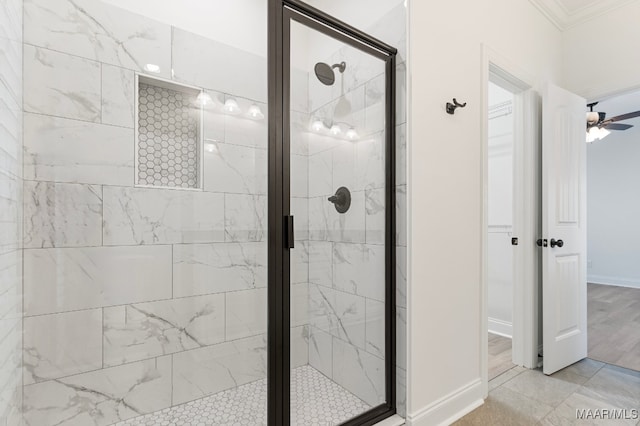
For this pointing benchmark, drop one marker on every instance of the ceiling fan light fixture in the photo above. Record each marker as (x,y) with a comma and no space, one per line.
(596,133)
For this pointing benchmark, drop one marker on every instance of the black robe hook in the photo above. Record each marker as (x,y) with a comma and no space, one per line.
(451,107)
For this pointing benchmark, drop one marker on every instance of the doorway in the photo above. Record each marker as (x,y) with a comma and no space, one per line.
(500,228)
(613,273)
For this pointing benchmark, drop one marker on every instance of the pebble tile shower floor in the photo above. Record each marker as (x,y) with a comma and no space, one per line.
(317,401)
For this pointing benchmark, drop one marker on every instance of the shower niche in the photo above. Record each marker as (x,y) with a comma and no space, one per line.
(169,134)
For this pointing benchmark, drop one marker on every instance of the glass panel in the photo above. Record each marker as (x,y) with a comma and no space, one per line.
(145,215)
(338,200)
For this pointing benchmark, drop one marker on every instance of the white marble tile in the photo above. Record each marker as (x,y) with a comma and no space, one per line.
(299,346)
(401,277)
(349,226)
(52,85)
(11,19)
(246,313)
(300,123)
(100,31)
(321,263)
(209,370)
(219,267)
(321,174)
(240,130)
(401,337)
(359,269)
(61,345)
(300,211)
(213,118)
(118,96)
(11,68)
(359,372)
(401,154)
(401,93)
(375,328)
(401,392)
(245,217)
(299,90)
(62,150)
(300,262)
(62,215)
(351,316)
(375,105)
(401,215)
(345,169)
(299,176)
(146,330)
(375,206)
(322,309)
(319,218)
(196,60)
(100,397)
(235,169)
(158,216)
(299,304)
(321,351)
(371,161)
(59,280)
(11,286)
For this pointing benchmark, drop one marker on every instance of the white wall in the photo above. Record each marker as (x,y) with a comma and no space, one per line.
(500,220)
(613,208)
(445,189)
(599,55)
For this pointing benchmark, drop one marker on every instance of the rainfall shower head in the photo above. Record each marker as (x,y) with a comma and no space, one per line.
(325,73)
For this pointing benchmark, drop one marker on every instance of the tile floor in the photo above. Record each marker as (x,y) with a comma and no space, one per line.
(317,401)
(528,397)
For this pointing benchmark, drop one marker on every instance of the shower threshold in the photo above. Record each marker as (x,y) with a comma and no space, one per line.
(315,400)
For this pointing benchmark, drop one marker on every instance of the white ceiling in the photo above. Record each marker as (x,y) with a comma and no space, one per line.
(567,13)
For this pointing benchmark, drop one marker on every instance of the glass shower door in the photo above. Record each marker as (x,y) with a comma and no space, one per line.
(339,110)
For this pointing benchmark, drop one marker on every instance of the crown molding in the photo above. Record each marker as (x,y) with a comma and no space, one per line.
(558,14)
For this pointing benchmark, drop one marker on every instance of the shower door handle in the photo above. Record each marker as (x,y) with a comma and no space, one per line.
(288,229)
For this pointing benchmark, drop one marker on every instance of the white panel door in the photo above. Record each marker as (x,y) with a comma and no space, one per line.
(564,266)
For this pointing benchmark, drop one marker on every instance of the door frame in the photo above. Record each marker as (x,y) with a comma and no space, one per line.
(280,14)
(526,215)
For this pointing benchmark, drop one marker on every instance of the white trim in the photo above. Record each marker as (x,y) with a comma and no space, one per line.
(501,328)
(525,321)
(460,402)
(614,281)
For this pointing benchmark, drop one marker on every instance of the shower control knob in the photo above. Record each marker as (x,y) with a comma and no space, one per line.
(341,200)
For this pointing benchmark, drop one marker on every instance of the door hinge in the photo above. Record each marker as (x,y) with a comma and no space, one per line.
(542,243)
(289,237)
(514,241)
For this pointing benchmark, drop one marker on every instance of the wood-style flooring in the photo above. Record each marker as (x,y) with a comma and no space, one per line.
(614,325)
(499,355)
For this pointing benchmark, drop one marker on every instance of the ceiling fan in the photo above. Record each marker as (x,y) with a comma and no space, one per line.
(600,120)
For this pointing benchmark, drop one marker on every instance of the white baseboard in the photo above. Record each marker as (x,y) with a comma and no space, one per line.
(617,281)
(449,408)
(501,328)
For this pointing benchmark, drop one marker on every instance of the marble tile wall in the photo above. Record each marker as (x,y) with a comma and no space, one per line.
(169,285)
(11,192)
(346,252)
(135,298)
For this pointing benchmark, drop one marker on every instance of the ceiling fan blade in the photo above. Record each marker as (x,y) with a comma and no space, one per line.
(626,116)
(617,126)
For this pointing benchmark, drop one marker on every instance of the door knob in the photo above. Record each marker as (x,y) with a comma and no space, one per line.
(558,243)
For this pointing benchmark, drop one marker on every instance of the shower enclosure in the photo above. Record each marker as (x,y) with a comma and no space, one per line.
(201,212)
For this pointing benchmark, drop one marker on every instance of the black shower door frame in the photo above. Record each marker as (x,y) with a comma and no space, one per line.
(281,13)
